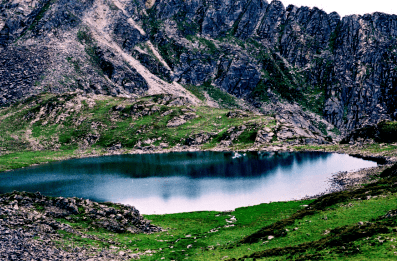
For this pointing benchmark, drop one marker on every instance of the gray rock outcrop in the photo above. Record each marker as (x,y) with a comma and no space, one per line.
(263,52)
(29,225)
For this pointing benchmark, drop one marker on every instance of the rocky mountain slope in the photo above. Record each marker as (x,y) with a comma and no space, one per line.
(271,56)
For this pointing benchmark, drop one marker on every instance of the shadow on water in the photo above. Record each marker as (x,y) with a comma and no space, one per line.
(192,165)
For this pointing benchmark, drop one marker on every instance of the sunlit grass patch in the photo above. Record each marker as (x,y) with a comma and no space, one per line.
(24,159)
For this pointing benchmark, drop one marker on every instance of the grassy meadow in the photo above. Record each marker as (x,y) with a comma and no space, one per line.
(350,225)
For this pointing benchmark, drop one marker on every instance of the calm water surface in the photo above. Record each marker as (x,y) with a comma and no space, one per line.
(179,182)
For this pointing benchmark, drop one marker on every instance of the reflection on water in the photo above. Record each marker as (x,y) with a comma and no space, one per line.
(178,182)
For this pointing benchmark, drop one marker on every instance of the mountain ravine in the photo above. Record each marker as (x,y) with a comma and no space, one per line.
(273,59)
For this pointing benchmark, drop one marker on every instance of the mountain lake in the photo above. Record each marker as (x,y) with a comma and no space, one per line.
(186,181)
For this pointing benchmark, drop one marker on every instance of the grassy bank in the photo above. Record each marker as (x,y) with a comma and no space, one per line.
(192,235)
(382,152)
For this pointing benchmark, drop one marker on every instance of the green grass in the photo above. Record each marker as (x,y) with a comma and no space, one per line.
(84,36)
(196,91)
(18,160)
(248,136)
(387,131)
(330,224)
(260,92)
(182,230)
(206,45)
(220,96)
(339,215)
(52,127)
(376,148)
(41,14)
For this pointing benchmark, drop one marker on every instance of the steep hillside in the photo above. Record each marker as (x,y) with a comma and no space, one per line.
(264,53)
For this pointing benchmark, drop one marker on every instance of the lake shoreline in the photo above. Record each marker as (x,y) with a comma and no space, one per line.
(335,181)
(351,180)
(377,157)
(68,236)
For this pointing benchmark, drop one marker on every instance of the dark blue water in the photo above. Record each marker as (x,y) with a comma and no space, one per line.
(179,182)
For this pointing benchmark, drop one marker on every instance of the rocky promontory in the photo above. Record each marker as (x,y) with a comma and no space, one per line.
(32,227)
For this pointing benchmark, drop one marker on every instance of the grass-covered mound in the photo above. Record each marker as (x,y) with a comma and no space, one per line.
(51,127)
(343,225)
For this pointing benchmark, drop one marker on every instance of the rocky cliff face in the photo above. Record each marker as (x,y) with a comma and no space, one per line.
(265,53)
